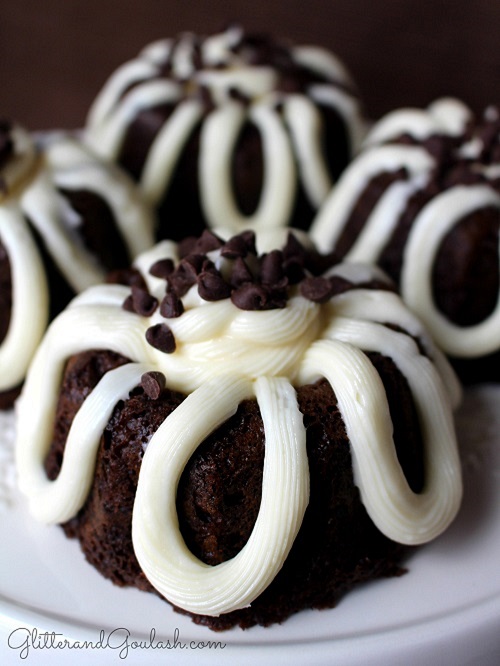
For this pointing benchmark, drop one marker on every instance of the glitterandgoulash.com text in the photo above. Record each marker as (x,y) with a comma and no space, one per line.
(120,641)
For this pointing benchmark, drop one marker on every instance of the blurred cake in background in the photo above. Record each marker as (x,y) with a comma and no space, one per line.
(422,200)
(66,219)
(234,129)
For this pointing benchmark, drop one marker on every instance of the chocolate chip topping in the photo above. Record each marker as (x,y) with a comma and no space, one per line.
(239,246)
(252,282)
(153,384)
(144,304)
(171,306)
(162,268)
(161,337)
(211,285)
(240,273)
(316,289)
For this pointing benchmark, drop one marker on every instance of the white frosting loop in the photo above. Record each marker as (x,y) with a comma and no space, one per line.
(30,304)
(158,544)
(432,224)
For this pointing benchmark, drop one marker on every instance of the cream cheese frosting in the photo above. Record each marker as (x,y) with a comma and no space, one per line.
(32,176)
(174,72)
(472,148)
(222,355)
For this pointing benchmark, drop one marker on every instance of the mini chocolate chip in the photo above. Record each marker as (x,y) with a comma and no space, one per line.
(193,262)
(207,242)
(316,289)
(240,273)
(128,304)
(271,267)
(211,285)
(339,285)
(162,268)
(186,246)
(184,276)
(171,306)
(153,384)
(161,337)
(126,276)
(277,295)
(293,268)
(250,297)
(144,304)
(234,247)
(239,245)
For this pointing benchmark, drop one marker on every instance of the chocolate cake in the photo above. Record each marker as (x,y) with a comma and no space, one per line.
(66,219)
(249,430)
(422,200)
(234,126)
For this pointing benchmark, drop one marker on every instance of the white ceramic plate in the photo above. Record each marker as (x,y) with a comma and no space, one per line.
(445,611)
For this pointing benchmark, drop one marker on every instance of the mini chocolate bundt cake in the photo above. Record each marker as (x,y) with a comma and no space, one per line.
(66,219)
(422,200)
(249,430)
(235,127)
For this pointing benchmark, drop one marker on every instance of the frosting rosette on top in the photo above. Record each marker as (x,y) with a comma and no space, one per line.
(66,218)
(233,126)
(422,200)
(222,319)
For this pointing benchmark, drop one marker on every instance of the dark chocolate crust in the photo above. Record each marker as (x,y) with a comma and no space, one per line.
(219,492)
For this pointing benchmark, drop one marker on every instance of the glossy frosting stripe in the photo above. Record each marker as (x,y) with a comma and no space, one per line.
(304,123)
(21,165)
(126,75)
(387,308)
(30,300)
(59,500)
(332,217)
(445,115)
(346,106)
(382,222)
(166,149)
(45,208)
(160,549)
(430,227)
(39,167)
(322,61)
(74,168)
(399,513)
(219,136)
(107,138)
